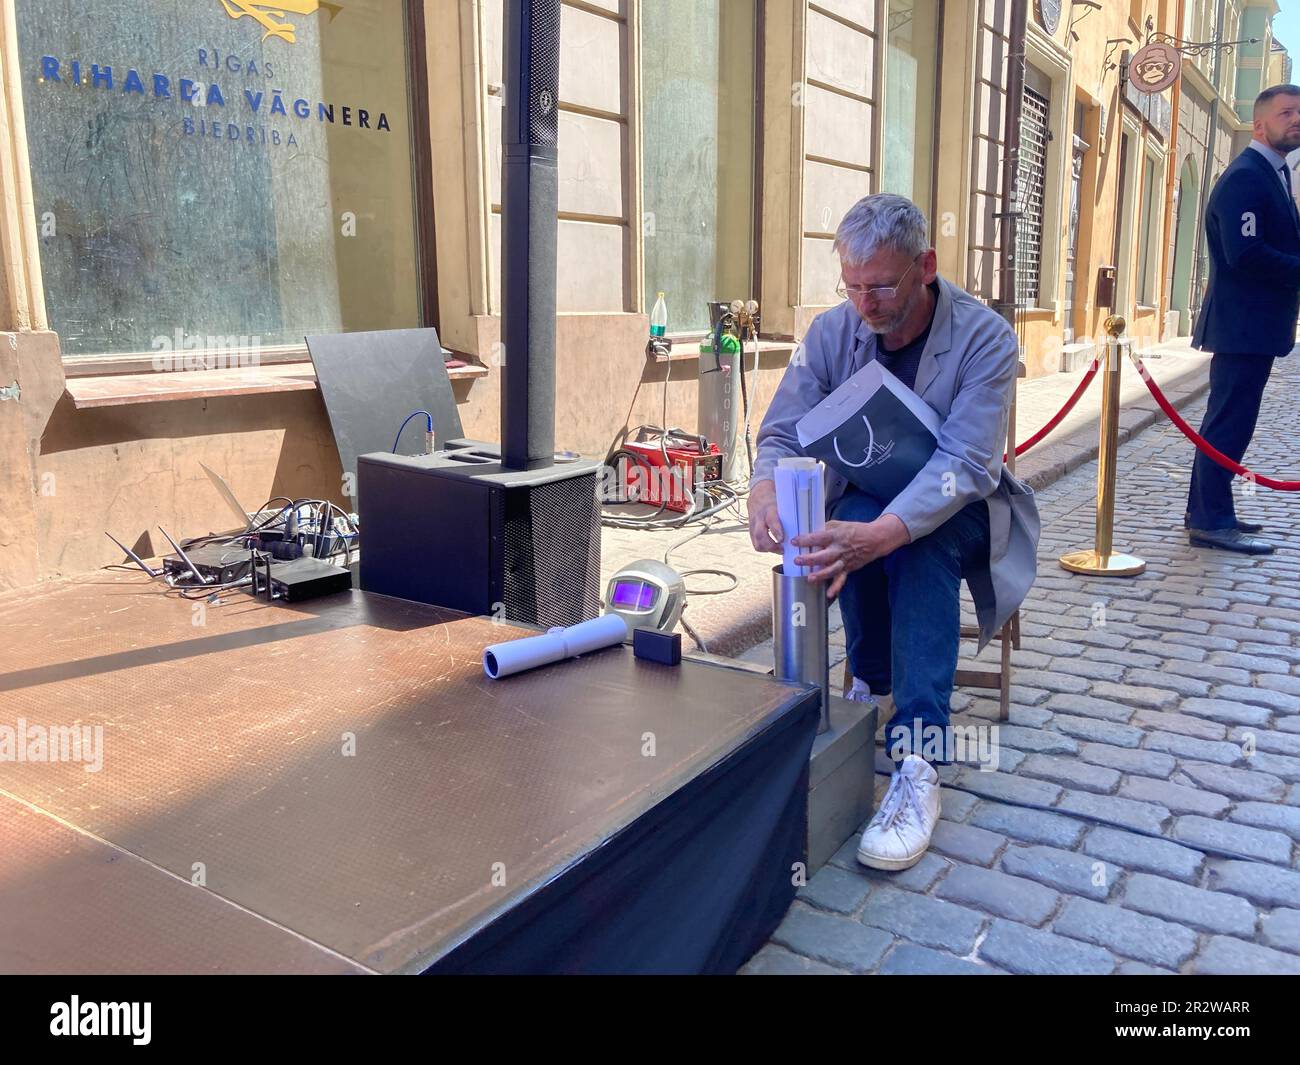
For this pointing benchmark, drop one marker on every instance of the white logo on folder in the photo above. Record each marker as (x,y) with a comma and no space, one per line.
(873,430)
(873,455)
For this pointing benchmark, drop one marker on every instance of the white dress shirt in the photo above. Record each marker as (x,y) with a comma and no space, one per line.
(1276,160)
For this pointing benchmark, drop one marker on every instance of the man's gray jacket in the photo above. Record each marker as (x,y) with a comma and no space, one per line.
(967,374)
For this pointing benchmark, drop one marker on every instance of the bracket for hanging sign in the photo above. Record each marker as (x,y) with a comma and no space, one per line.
(1158,63)
(1196,47)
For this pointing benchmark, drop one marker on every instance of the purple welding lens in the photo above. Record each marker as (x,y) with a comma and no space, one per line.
(630,594)
(647,597)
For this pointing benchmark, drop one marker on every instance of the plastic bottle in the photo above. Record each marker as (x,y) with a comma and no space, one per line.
(659,317)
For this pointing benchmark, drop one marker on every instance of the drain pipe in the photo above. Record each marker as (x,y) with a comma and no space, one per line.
(1171,181)
(1198,275)
(1006,302)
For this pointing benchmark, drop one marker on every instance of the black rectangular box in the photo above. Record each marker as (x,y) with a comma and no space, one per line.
(302,579)
(656,646)
(456,529)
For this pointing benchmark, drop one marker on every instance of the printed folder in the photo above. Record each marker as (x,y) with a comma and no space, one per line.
(874,430)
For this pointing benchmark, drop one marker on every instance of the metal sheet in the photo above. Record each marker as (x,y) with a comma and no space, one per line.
(73,905)
(347,771)
(370,382)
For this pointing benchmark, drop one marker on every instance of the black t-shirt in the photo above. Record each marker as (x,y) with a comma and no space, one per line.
(904,362)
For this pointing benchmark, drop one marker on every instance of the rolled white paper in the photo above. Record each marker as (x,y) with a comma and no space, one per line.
(515,656)
(800,505)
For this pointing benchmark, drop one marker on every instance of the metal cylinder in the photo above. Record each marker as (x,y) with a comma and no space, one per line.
(1108,450)
(718,399)
(1102,558)
(799,635)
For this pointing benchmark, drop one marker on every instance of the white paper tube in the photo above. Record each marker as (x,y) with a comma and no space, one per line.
(515,656)
(800,505)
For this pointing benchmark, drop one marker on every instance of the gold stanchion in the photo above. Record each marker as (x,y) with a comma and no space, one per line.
(1102,559)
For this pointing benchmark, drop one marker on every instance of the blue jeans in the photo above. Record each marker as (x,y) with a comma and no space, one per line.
(902,615)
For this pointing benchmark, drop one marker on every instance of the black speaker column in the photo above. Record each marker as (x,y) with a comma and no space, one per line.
(505,531)
(529,202)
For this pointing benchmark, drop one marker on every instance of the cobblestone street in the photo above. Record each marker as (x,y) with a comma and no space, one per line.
(1145,815)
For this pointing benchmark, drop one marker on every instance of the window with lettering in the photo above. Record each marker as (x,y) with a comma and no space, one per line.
(219,172)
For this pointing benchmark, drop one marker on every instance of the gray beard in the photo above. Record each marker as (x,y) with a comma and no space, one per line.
(899,318)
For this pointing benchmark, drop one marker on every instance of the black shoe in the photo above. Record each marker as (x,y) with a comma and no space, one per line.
(1229,540)
(1242,526)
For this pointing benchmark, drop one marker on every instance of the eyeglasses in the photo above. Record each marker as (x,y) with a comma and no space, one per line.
(884,293)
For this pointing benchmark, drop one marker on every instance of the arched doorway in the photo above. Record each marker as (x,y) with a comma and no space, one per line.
(1187,218)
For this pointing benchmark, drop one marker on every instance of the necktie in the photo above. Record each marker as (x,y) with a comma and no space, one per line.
(1286,177)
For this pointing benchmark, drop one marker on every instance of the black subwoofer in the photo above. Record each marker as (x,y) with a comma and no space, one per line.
(457,529)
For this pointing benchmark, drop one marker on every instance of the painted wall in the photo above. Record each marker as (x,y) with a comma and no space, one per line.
(840,110)
(70,475)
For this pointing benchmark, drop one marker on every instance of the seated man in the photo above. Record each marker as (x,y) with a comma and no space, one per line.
(900,566)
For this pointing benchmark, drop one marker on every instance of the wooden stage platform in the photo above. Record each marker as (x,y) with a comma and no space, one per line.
(328,787)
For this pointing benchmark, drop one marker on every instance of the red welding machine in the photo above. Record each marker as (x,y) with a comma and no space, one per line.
(692,461)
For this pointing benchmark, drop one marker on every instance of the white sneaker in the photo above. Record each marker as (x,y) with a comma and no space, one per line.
(900,832)
(861,693)
(884,704)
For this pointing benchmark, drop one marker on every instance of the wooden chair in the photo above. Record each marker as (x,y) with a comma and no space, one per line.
(1007,637)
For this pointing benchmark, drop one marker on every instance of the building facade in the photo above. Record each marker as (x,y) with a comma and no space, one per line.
(249,176)
(1092,180)
(1216,95)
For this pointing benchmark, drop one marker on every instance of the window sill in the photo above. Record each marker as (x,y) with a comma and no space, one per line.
(119,390)
(145,362)
(688,347)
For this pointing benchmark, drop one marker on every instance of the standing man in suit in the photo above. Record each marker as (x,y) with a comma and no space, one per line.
(1248,319)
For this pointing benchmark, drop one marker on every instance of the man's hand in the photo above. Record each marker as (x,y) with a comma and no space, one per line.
(763,521)
(844,546)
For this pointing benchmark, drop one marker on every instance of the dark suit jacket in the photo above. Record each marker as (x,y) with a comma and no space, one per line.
(1253,239)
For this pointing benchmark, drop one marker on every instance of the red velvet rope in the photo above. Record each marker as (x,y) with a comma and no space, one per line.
(1206,449)
(1056,418)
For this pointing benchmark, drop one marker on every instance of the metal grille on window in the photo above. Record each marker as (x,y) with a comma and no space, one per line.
(1031,181)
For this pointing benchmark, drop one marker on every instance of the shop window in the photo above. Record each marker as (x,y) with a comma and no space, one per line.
(698,104)
(911,76)
(1032,188)
(219,170)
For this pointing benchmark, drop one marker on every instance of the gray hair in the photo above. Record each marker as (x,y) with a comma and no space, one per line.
(883,220)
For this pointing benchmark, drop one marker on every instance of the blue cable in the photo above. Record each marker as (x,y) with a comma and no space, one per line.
(408,422)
